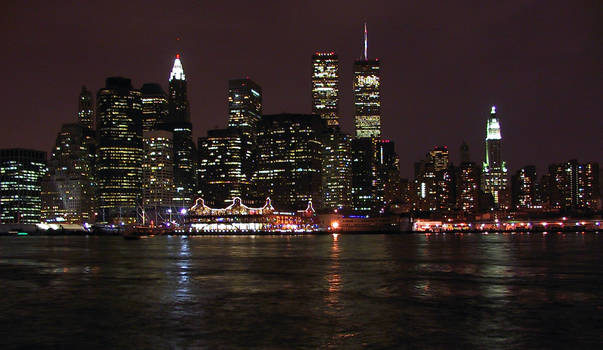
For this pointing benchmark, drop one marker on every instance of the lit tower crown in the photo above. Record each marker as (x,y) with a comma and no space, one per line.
(177,71)
(493,126)
(367,94)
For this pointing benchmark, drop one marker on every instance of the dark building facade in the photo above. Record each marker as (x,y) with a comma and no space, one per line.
(119,152)
(155,107)
(21,173)
(524,189)
(365,194)
(86,109)
(68,187)
(290,160)
(244,113)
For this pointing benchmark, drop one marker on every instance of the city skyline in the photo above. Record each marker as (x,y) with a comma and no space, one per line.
(537,79)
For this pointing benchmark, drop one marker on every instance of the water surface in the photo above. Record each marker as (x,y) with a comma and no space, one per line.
(500,291)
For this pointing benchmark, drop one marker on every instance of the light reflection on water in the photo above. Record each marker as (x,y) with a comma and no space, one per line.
(330,291)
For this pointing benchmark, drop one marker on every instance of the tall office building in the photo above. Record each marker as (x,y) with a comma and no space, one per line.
(157,172)
(220,171)
(68,188)
(367,95)
(325,90)
(365,194)
(119,161)
(439,157)
(336,169)
(290,160)
(86,109)
(179,122)
(21,173)
(244,113)
(155,106)
(494,169)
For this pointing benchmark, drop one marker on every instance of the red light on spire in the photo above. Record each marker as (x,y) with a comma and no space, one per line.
(178,56)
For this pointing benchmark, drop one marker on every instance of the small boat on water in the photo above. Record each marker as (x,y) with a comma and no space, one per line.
(139,232)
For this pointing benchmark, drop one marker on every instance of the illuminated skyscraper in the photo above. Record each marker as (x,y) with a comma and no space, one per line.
(290,160)
(68,189)
(367,95)
(21,173)
(494,169)
(244,113)
(325,90)
(155,106)
(220,167)
(336,169)
(119,161)
(157,172)
(86,109)
(179,123)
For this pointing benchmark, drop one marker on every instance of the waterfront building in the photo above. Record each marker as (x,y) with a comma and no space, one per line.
(573,186)
(494,169)
(220,170)
(21,173)
(68,192)
(157,173)
(239,218)
(524,189)
(155,106)
(244,113)
(325,89)
(367,95)
(290,160)
(179,123)
(120,151)
(336,169)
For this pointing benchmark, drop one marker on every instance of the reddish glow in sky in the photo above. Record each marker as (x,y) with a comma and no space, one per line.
(443,65)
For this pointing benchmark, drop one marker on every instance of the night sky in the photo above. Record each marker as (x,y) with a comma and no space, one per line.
(443,65)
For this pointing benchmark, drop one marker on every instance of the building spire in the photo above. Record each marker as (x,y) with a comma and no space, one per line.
(177,71)
(365,43)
